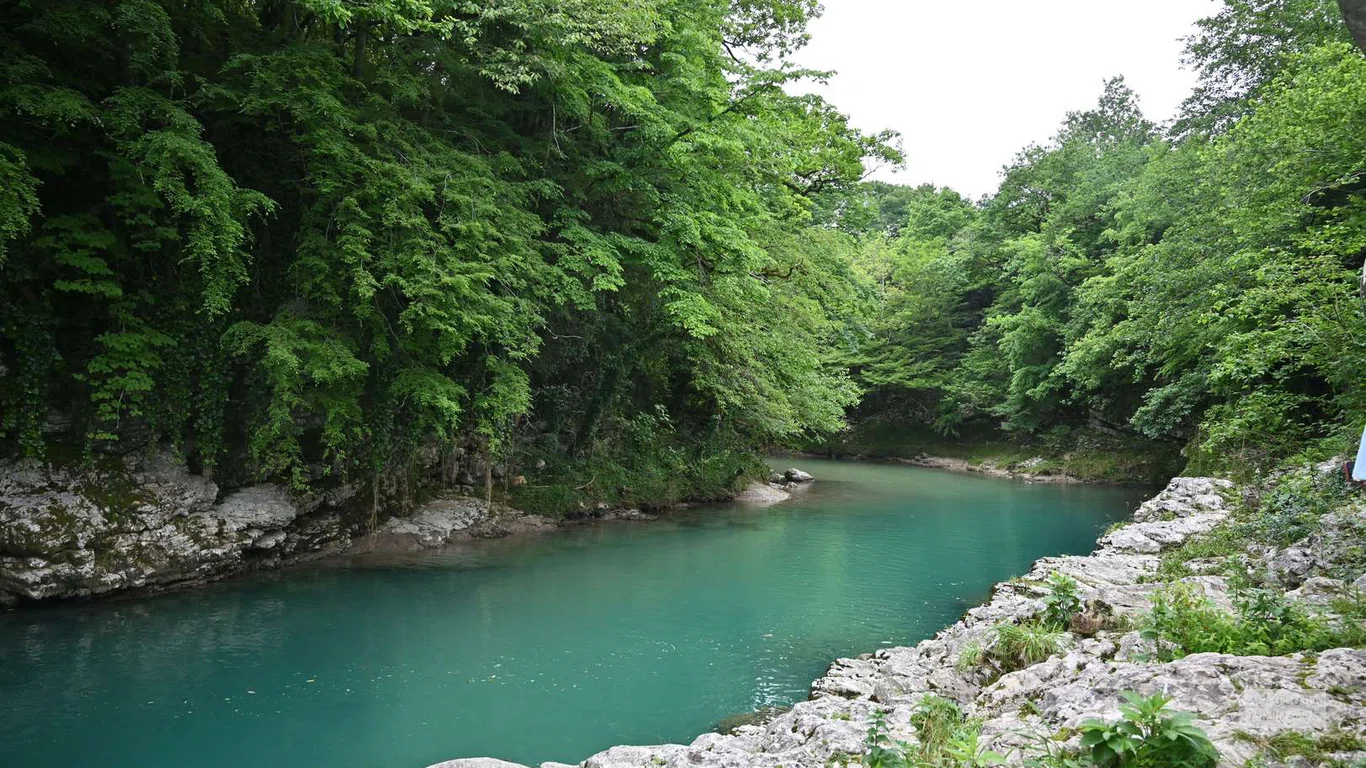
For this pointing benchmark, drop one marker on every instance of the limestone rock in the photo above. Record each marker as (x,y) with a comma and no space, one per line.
(435,523)
(477,762)
(1150,538)
(1185,496)
(763,493)
(259,507)
(1229,695)
(797,476)
(150,524)
(1292,565)
(1318,591)
(1330,551)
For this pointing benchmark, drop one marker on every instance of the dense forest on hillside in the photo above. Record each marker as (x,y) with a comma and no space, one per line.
(407,242)
(1196,285)
(316,240)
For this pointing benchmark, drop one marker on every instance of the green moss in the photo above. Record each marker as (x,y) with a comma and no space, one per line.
(1314,747)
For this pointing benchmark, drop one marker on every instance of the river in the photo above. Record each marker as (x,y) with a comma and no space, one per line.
(543,648)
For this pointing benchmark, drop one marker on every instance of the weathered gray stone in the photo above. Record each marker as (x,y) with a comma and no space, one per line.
(763,493)
(261,507)
(1185,496)
(153,525)
(477,762)
(1292,565)
(1318,591)
(435,523)
(1152,537)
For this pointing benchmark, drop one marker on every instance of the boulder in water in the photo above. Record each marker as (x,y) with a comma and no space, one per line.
(477,762)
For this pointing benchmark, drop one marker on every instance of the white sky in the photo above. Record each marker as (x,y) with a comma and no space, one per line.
(968,83)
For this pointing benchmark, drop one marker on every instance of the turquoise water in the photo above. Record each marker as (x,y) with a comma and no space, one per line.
(548,648)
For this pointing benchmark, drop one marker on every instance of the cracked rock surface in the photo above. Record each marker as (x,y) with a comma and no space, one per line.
(152,525)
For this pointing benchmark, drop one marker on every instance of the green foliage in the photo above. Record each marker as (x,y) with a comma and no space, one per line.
(319,241)
(1148,735)
(1197,289)
(1012,647)
(649,465)
(1016,646)
(1062,601)
(881,751)
(1238,50)
(973,656)
(1316,748)
(944,739)
(1183,621)
(1294,506)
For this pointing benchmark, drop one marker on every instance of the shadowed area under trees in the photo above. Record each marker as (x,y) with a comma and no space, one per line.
(411,242)
(319,241)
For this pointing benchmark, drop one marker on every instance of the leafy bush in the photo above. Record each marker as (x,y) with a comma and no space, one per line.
(1062,601)
(1294,505)
(1183,622)
(881,750)
(1147,736)
(654,470)
(936,721)
(944,739)
(1270,625)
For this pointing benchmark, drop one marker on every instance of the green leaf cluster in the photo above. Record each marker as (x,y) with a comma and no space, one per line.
(313,240)
(1183,621)
(1195,286)
(1148,735)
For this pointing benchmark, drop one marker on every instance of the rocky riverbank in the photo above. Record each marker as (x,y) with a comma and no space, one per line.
(1034,470)
(151,525)
(1251,706)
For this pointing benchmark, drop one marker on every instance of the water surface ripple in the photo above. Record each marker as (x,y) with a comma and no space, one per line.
(549,648)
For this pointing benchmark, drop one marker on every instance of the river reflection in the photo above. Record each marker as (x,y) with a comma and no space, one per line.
(547,648)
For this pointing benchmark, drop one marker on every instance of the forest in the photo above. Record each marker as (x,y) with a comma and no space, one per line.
(609,245)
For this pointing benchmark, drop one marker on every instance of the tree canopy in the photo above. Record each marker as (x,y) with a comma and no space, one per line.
(1196,285)
(317,241)
(307,239)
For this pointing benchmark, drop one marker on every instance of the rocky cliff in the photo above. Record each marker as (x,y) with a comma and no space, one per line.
(148,524)
(1243,702)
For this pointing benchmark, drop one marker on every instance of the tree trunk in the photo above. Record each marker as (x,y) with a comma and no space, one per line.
(488,482)
(1354,11)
